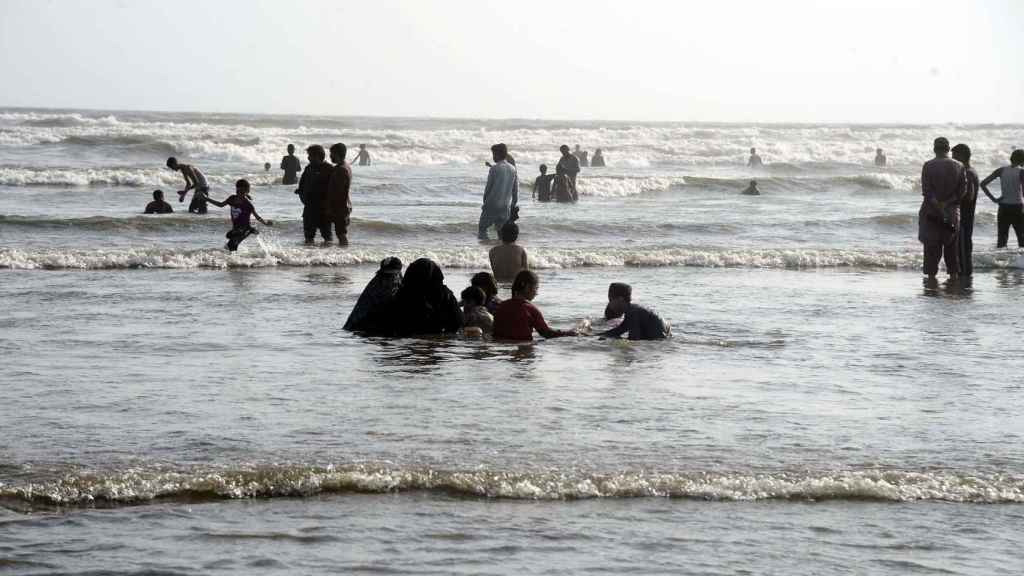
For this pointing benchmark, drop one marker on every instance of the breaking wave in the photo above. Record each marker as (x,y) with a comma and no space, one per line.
(141,485)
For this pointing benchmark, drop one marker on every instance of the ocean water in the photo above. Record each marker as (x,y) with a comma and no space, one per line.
(169,408)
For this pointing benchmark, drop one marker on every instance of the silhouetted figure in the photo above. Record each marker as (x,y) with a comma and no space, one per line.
(312,192)
(338,204)
(501,194)
(880,159)
(754,161)
(639,322)
(517,318)
(474,313)
(582,156)
(542,185)
(242,211)
(194,181)
(962,154)
(563,189)
(943,184)
(363,157)
(569,164)
(378,292)
(423,305)
(508,258)
(1011,202)
(291,166)
(598,160)
(751,189)
(158,205)
(486,282)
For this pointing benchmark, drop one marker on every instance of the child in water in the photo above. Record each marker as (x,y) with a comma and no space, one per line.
(241,212)
(477,320)
(486,282)
(517,318)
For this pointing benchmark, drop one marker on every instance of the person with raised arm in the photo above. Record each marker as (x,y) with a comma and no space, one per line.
(242,211)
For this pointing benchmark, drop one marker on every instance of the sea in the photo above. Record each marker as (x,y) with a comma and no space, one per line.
(172,408)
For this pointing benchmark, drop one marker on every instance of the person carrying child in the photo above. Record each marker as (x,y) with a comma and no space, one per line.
(517,318)
(242,211)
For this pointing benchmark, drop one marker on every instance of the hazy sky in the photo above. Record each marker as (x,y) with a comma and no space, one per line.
(713,60)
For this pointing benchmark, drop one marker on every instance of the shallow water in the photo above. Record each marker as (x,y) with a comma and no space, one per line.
(169,408)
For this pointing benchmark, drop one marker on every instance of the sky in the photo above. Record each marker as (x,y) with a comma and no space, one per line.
(867,61)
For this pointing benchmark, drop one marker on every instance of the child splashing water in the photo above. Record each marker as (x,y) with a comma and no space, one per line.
(241,212)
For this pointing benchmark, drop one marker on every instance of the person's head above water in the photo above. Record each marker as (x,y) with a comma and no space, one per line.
(338,153)
(422,276)
(753,150)
(473,296)
(525,285)
(242,187)
(597,152)
(564,149)
(941,145)
(543,168)
(390,265)
(962,154)
(509,232)
(172,163)
(266,166)
(1017,157)
(499,152)
(291,149)
(486,282)
(362,146)
(158,194)
(316,154)
(619,297)
(878,151)
(753,183)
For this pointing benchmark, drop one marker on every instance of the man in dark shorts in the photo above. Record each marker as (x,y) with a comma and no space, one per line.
(312,190)
(158,205)
(194,180)
(291,166)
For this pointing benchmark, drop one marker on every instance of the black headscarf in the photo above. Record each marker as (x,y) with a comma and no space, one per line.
(365,316)
(424,305)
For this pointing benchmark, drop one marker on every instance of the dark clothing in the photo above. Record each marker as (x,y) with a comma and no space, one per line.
(338,202)
(312,190)
(517,318)
(198,203)
(642,324)
(241,211)
(237,234)
(378,292)
(1009,215)
(942,180)
(422,306)
(598,161)
(291,166)
(542,187)
(570,165)
(584,157)
(158,207)
(564,189)
(967,208)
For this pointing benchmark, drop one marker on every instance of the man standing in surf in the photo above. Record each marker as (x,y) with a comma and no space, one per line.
(501,194)
(943,185)
(338,203)
(194,180)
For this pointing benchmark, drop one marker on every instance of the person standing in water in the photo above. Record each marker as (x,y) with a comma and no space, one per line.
(363,157)
(754,161)
(751,190)
(542,185)
(194,181)
(312,191)
(880,159)
(1011,202)
(598,160)
(943,184)
(338,205)
(501,193)
(962,154)
(242,211)
(291,166)
(583,156)
(508,258)
(158,205)
(568,164)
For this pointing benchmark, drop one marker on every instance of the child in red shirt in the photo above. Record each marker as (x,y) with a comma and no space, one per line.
(516,318)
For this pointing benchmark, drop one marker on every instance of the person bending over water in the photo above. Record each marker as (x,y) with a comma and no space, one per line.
(751,190)
(962,154)
(598,160)
(242,211)
(362,157)
(378,292)
(158,205)
(517,317)
(1011,202)
(639,322)
(754,161)
(486,282)
(943,184)
(474,312)
(291,166)
(195,182)
(508,258)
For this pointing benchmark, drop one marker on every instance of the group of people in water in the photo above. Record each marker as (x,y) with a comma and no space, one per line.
(949,186)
